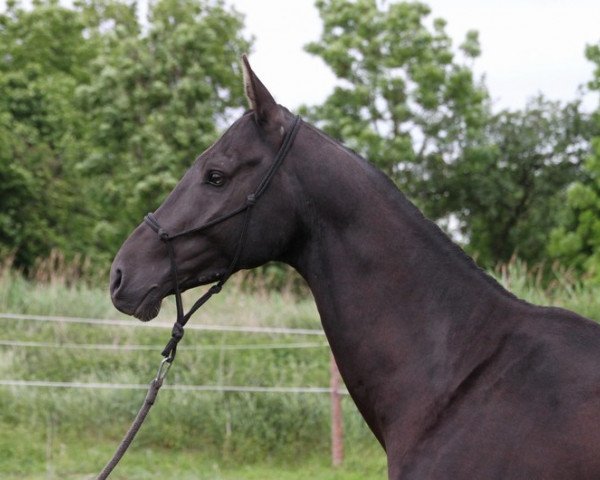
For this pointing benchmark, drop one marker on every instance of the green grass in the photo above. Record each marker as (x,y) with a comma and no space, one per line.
(555,288)
(69,433)
(80,461)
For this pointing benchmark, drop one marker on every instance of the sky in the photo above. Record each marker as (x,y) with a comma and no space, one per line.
(528,47)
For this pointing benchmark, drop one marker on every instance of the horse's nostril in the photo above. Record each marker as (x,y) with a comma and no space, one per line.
(116,281)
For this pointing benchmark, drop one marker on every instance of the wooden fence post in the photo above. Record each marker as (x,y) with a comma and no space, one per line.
(337,426)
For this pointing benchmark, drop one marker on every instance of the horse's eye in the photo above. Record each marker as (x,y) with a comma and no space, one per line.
(215,178)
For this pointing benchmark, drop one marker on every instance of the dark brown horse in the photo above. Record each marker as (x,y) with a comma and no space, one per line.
(456,377)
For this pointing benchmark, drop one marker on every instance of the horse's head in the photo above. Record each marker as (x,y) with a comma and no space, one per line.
(216,186)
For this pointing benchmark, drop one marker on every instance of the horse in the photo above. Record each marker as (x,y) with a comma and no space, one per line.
(456,377)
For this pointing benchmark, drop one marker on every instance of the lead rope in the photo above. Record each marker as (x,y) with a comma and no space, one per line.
(177,332)
(139,419)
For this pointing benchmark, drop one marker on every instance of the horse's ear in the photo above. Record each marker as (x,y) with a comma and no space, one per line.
(266,110)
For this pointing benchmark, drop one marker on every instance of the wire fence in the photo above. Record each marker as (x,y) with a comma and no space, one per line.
(137,347)
(156,347)
(189,388)
(335,390)
(158,324)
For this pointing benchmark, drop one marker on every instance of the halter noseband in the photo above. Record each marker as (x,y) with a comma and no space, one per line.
(177,333)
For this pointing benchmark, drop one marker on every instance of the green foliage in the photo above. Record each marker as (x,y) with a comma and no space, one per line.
(410,103)
(576,241)
(506,194)
(404,101)
(42,59)
(100,115)
(154,101)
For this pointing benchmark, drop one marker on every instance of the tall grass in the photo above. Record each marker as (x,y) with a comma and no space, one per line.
(554,286)
(63,433)
(52,425)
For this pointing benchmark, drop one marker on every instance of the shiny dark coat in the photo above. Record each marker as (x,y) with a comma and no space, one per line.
(456,377)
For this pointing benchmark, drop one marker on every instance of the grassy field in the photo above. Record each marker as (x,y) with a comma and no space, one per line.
(70,433)
(51,433)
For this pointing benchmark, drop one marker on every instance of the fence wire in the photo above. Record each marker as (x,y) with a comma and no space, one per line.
(158,324)
(131,347)
(181,387)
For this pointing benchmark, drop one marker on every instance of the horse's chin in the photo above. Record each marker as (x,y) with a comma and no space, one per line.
(149,307)
(145,313)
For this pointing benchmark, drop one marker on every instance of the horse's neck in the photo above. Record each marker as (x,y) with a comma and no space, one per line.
(403,309)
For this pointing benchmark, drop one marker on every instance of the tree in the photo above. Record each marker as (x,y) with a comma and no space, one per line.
(410,103)
(506,194)
(101,113)
(153,101)
(43,56)
(404,100)
(576,242)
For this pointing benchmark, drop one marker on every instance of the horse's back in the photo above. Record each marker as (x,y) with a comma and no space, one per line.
(533,413)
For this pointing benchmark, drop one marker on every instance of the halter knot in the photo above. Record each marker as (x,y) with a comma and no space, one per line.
(177,332)
(251,199)
(163,234)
